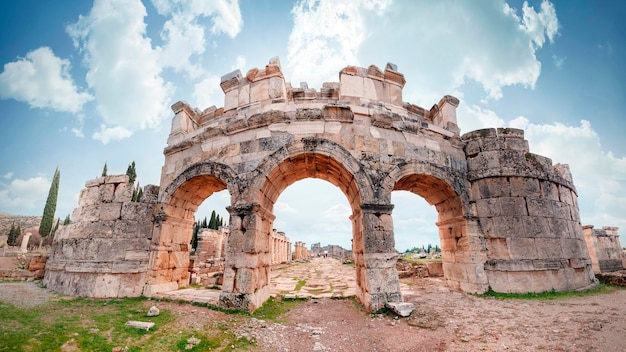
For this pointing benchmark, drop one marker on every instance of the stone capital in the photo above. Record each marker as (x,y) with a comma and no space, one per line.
(377,208)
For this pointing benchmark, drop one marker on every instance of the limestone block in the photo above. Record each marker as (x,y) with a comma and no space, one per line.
(245,280)
(244,95)
(513,206)
(95,182)
(507,226)
(277,88)
(525,187)
(259,91)
(497,248)
(523,248)
(115,179)
(110,211)
(107,191)
(231,99)
(106,286)
(152,289)
(491,188)
(548,248)
(89,196)
(536,226)
(488,207)
(123,193)
(549,190)
(351,86)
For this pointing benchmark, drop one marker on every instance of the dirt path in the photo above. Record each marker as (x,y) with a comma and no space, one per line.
(443,321)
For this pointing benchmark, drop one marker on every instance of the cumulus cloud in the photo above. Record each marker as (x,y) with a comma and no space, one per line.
(208,92)
(107,134)
(448,44)
(184,32)
(25,195)
(8,175)
(326,37)
(42,80)
(123,68)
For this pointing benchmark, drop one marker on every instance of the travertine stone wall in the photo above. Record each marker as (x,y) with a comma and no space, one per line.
(211,243)
(104,251)
(528,212)
(604,247)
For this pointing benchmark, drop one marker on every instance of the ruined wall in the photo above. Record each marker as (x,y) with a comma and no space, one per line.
(280,247)
(528,212)
(604,248)
(211,243)
(104,251)
(300,251)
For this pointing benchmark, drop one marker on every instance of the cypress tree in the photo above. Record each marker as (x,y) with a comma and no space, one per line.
(51,205)
(67,220)
(139,193)
(212,223)
(131,172)
(104,170)
(13,234)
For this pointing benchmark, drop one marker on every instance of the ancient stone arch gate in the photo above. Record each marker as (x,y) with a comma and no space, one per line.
(508,219)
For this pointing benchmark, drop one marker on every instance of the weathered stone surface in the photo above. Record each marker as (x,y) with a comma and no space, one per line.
(402,309)
(144,325)
(508,218)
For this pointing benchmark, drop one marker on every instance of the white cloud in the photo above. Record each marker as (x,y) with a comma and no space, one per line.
(123,68)
(208,92)
(474,117)
(240,63)
(25,194)
(42,80)
(284,208)
(8,175)
(184,32)
(443,45)
(107,134)
(326,37)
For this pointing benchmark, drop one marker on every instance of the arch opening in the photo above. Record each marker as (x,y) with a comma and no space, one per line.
(458,250)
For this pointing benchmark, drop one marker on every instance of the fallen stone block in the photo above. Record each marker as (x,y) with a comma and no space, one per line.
(139,324)
(402,309)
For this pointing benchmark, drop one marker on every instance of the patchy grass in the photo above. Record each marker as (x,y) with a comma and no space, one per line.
(410,259)
(272,309)
(98,325)
(550,295)
(300,285)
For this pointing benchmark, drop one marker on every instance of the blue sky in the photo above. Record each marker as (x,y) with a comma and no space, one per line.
(88,83)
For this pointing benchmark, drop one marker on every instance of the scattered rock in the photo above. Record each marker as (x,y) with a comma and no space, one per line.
(153,312)
(140,324)
(401,308)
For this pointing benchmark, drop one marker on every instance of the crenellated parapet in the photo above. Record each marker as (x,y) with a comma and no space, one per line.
(263,98)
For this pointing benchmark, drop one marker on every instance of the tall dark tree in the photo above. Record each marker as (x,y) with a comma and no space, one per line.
(13,234)
(131,172)
(212,223)
(104,170)
(51,205)
(67,220)
(194,237)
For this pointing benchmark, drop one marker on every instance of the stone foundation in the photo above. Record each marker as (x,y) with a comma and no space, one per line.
(104,251)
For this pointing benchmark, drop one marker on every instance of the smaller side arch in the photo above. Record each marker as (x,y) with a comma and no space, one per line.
(463,252)
(174,220)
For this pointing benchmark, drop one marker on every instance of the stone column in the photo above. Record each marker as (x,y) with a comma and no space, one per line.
(248,257)
(379,276)
(25,239)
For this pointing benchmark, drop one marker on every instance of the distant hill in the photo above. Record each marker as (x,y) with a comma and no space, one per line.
(25,222)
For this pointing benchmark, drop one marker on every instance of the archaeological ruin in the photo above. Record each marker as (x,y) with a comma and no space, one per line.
(508,219)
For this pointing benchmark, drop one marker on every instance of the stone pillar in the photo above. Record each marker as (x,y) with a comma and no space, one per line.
(25,239)
(604,248)
(248,257)
(379,277)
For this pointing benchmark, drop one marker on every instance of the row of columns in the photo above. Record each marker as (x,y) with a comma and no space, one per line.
(281,247)
(301,252)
